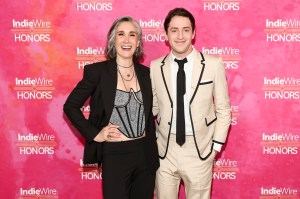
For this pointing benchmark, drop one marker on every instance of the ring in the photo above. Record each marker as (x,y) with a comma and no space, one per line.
(108,136)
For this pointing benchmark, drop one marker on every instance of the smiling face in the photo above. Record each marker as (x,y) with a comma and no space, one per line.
(126,40)
(180,35)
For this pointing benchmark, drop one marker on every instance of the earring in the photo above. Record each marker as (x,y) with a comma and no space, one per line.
(114,50)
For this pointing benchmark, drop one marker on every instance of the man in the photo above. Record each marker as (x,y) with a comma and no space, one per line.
(191,102)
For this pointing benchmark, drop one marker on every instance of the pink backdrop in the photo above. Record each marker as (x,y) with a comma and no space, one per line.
(45,45)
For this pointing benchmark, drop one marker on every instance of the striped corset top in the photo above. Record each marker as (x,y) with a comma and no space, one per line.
(128,113)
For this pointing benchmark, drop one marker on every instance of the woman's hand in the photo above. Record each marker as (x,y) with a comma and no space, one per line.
(108,133)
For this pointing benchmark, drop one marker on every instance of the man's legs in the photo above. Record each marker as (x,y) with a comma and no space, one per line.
(195,173)
(184,163)
(167,175)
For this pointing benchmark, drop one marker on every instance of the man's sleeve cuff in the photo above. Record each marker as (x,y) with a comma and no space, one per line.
(217,146)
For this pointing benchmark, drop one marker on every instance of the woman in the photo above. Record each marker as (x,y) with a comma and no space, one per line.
(120,132)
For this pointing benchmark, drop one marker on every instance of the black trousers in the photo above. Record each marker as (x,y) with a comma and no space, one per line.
(125,173)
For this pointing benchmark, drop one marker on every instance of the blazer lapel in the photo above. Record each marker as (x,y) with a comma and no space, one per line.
(109,86)
(145,85)
(166,75)
(198,69)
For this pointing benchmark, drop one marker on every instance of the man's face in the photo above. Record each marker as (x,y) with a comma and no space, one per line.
(180,36)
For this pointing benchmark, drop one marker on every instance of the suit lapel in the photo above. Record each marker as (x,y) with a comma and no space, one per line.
(166,75)
(109,86)
(145,85)
(198,69)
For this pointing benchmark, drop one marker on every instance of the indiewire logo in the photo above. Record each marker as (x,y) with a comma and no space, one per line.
(90,171)
(225,169)
(34,88)
(280,143)
(223,5)
(31,30)
(286,88)
(153,30)
(230,56)
(39,144)
(89,55)
(94,5)
(282,192)
(38,193)
(234,115)
(282,30)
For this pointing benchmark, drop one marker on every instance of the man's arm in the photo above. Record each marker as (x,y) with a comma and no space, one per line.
(222,104)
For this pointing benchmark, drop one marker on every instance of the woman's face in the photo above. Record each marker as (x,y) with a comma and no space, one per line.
(126,40)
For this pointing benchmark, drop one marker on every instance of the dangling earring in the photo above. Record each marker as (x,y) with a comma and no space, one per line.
(136,51)
(114,51)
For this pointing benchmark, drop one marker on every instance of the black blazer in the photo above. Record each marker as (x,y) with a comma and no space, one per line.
(100,83)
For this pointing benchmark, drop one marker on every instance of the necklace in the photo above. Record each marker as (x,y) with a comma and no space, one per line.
(125,66)
(128,75)
(131,93)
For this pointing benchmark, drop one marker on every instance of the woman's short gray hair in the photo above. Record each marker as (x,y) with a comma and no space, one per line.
(110,48)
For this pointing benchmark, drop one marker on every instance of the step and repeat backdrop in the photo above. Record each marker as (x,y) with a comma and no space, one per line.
(46,44)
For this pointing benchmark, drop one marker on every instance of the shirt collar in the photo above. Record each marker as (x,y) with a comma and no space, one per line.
(189,57)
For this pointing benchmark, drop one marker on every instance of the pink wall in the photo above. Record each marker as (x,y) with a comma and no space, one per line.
(50,41)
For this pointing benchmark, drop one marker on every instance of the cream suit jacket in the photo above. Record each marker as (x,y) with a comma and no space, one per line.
(209,104)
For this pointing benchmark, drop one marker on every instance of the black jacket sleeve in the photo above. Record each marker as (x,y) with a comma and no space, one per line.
(72,107)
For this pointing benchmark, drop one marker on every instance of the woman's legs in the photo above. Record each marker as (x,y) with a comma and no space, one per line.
(125,172)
